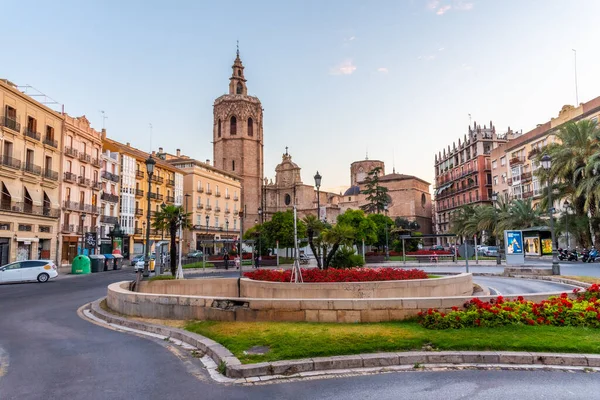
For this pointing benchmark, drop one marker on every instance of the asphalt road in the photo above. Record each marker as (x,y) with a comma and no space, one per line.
(54,354)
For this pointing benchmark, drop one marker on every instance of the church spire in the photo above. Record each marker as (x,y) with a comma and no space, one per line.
(237,82)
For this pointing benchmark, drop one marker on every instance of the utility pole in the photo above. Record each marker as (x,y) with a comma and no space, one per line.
(576,89)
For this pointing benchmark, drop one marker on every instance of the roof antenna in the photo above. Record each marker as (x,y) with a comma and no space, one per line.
(104,117)
(393,161)
(237,52)
(367,155)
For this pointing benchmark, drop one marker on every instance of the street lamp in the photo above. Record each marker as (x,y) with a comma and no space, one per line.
(498,256)
(260,215)
(567,208)
(226,234)
(387,244)
(83,215)
(162,239)
(318,185)
(150,170)
(187,195)
(204,243)
(546,164)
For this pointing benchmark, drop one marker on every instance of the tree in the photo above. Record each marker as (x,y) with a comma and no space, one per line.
(339,234)
(364,228)
(377,196)
(314,227)
(170,218)
(382,223)
(281,228)
(521,215)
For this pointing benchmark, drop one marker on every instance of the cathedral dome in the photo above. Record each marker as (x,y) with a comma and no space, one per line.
(352,191)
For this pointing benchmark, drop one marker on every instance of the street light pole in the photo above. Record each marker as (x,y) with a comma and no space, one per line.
(204,243)
(498,256)
(187,195)
(150,169)
(226,234)
(318,185)
(83,215)
(260,214)
(387,243)
(546,164)
(567,207)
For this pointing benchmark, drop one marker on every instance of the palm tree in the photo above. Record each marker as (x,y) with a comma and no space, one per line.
(170,218)
(521,214)
(313,228)
(339,234)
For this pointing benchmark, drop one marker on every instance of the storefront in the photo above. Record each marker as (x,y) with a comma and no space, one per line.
(25,248)
(537,241)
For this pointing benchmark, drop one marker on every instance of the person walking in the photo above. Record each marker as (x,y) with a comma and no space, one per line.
(256,259)
(226,260)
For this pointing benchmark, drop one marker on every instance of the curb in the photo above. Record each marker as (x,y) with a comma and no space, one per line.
(234,369)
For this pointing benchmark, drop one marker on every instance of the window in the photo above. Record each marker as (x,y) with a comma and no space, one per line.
(233,165)
(494,164)
(68,193)
(82,171)
(240,88)
(29,158)
(235,224)
(423,200)
(216,222)
(288,199)
(31,124)
(250,127)
(219,128)
(95,176)
(503,161)
(198,220)
(495,180)
(49,132)
(233,126)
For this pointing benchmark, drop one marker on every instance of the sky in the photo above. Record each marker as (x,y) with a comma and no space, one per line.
(338,80)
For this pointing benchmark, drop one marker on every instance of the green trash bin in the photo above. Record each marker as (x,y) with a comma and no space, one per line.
(80,265)
(97,262)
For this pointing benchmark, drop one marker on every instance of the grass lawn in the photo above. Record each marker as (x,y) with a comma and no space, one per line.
(586,279)
(444,259)
(198,264)
(293,340)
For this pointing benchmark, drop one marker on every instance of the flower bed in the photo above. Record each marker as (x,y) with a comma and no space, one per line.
(582,311)
(339,275)
(427,252)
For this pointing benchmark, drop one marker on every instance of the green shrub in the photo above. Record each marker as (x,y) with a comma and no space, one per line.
(161,278)
(346,257)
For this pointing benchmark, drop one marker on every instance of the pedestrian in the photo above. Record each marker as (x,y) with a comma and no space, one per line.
(256,259)
(226,260)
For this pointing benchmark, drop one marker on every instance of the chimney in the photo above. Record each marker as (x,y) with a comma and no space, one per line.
(178,152)
(153,153)
(103,134)
(128,144)
(208,161)
(160,149)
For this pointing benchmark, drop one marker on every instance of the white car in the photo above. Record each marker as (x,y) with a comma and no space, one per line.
(29,270)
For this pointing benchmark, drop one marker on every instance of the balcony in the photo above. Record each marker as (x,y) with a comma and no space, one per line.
(155,196)
(157,179)
(235,198)
(85,157)
(110,176)
(534,152)
(138,231)
(152,214)
(526,176)
(83,181)
(227,211)
(217,194)
(227,196)
(199,206)
(208,208)
(71,152)
(49,174)
(517,160)
(50,142)
(217,209)
(20,207)
(10,123)
(208,191)
(70,177)
(200,190)
(170,199)
(66,228)
(139,193)
(139,174)
(171,182)
(108,219)
(11,162)
(32,169)
(139,211)
(96,185)
(527,195)
(96,162)
(32,134)
(113,198)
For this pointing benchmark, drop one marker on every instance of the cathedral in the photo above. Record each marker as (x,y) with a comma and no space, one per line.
(238,149)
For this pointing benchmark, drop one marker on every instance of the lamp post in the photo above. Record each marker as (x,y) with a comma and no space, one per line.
(226,234)
(260,215)
(150,170)
(546,164)
(162,239)
(387,252)
(498,256)
(204,243)
(187,195)
(83,215)
(318,185)
(567,208)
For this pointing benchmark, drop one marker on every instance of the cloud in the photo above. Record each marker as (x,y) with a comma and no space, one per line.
(351,38)
(344,68)
(429,57)
(441,49)
(463,6)
(383,70)
(433,4)
(443,9)
(466,67)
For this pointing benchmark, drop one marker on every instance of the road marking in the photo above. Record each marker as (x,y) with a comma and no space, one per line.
(496,291)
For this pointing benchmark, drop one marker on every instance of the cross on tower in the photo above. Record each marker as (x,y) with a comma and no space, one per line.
(286,151)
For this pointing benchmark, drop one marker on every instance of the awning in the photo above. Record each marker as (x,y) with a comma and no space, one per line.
(24,239)
(440,190)
(14,189)
(53,198)
(37,195)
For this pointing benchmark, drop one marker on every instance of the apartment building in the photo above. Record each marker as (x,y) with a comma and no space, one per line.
(166,187)
(81,187)
(109,198)
(513,164)
(463,173)
(29,177)
(213,197)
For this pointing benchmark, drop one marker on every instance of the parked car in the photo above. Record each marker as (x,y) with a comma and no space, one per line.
(481,250)
(195,254)
(140,257)
(491,251)
(29,270)
(437,248)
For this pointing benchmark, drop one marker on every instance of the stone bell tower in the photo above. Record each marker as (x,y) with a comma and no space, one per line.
(238,140)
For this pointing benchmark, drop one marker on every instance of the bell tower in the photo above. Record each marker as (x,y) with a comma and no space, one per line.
(238,140)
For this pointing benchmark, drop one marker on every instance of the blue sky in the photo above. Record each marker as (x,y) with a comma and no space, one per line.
(336,78)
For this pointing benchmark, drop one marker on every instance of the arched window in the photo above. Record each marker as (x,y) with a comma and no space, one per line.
(219,128)
(250,127)
(239,72)
(233,126)
(240,88)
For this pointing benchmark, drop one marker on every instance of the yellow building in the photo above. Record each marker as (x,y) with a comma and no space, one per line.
(213,202)
(29,177)
(166,187)
(513,165)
